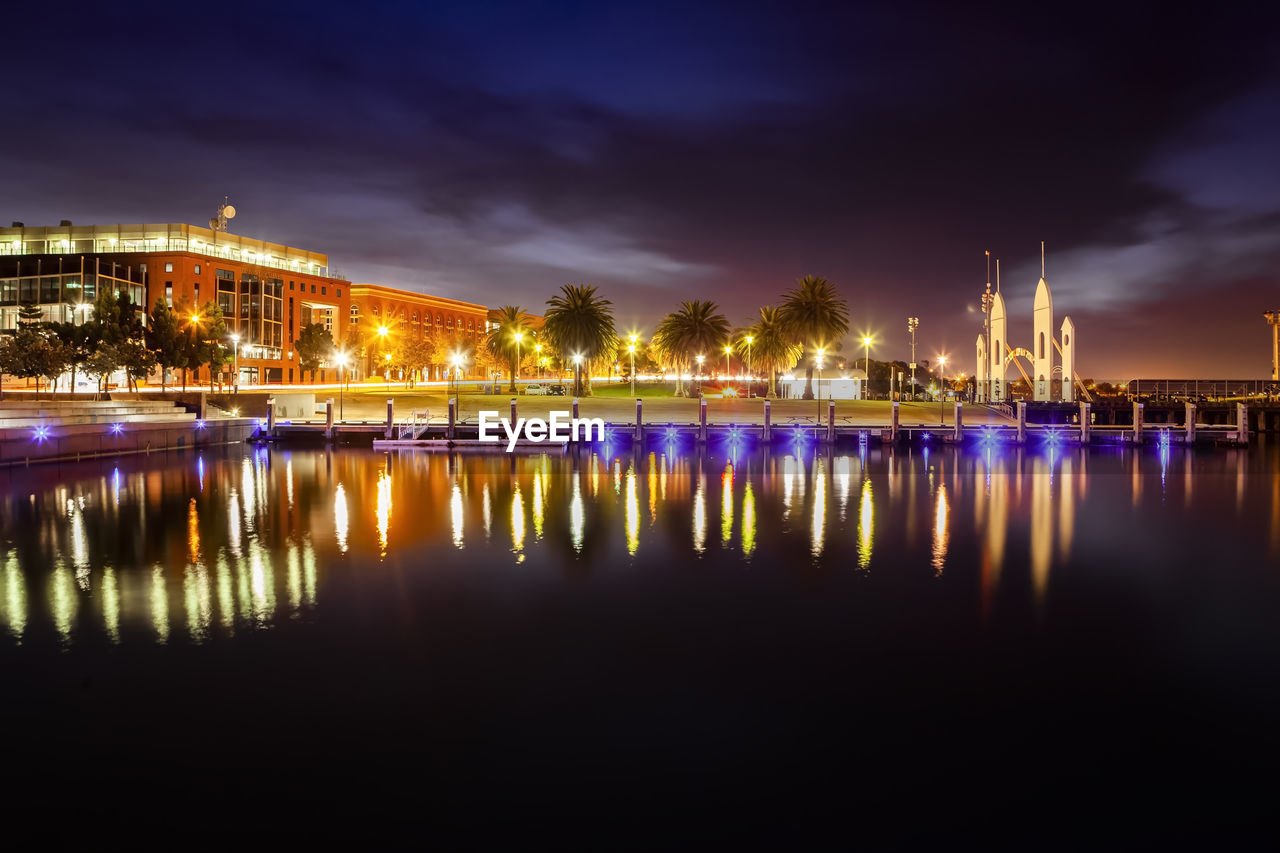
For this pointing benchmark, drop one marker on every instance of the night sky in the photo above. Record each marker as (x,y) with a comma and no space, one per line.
(495,151)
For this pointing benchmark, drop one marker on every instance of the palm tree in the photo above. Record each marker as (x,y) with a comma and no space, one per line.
(814,316)
(697,328)
(772,347)
(579,325)
(511,338)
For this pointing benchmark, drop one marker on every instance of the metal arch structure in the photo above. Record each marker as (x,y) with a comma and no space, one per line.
(1051,357)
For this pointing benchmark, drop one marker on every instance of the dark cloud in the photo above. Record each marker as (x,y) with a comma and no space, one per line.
(495,151)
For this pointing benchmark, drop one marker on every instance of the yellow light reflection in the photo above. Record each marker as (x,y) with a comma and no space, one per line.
(197,601)
(226,599)
(455,514)
(261,583)
(726,504)
(384,510)
(340,519)
(517,520)
(486,511)
(866,523)
(818,530)
(632,512)
(699,518)
(62,600)
(653,489)
(111,604)
(294,578)
(537,506)
(748,521)
(576,517)
(941,533)
(160,604)
(844,481)
(308,573)
(193,532)
(15,597)
(1041,530)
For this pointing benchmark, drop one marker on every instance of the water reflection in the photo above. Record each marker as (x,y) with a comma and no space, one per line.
(202,548)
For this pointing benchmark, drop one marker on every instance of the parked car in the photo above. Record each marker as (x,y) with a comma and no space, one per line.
(556,390)
(533,389)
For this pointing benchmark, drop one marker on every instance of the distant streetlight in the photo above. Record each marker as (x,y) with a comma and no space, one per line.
(235,361)
(537,351)
(519,336)
(817,362)
(342,371)
(387,356)
(728,348)
(913,323)
(942,387)
(456,361)
(866,354)
(750,375)
(698,377)
(631,348)
(577,377)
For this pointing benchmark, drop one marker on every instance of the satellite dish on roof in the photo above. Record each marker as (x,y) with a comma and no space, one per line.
(229,212)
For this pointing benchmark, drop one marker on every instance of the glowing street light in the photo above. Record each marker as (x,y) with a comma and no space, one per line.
(455,361)
(577,374)
(342,359)
(235,360)
(913,323)
(750,375)
(942,386)
(728,348)
(866,354)
(537,350)
(519,336)
(631,348)
(387,357)
(817,362)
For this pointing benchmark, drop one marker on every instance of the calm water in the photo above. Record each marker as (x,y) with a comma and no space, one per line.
(771,646)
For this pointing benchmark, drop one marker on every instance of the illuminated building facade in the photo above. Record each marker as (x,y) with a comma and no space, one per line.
(452,326)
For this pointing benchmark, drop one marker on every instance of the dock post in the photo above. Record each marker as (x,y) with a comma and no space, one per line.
(453,416)
(1191,423)
(1085,416)
(513,413)
(831,422)
(958,435)
(1022,421)
(271,415)
(1242,423)
(391,417)
(638,437)
(575,408)
(702,420)
(893,428)
(768,429)
(1137,423)
(328,419)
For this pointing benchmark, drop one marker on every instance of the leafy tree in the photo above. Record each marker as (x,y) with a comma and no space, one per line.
(314,345)
(772,348)
(78,343)
(206,340)
(698,328)
(137,361)
(502,341)
(8,359)
(815,316)
(579,324)
(165,338)
(412,353)
(29,316)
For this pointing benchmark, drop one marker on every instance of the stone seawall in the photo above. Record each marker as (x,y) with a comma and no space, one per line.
(26,445)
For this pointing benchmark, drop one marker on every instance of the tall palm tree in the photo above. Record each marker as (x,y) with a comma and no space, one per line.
(815,316)
(772,347)
(579,324)
(510,339)
(697,328)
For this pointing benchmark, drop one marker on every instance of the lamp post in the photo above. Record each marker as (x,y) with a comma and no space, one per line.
(700,358)
(235,361)
(342,374)
(577,374)
(537,354)
(750,375)
(631,349)
(866,356)
(456,361)
(515,374)
(942,388)
(817,362)
(387,374)
(728,348)
(913,323)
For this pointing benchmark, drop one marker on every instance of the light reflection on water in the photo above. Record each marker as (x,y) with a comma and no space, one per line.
(205,547)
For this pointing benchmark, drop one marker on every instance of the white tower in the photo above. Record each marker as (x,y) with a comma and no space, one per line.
(1068,360)
(999,341)
(1042,339)
(982,373)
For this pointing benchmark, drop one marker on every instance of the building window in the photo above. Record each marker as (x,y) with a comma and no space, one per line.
(339,292)
(355,314)
(168,267)
(323,291)
(313,288)
(197,269)
(1042,347)
(168,293)
(291,285)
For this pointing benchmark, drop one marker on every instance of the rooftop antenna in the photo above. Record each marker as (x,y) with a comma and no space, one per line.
(225,211)
(1042,259)
(997,275)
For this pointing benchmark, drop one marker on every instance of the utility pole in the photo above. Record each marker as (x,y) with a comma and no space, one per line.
(913,323)
(1273,320)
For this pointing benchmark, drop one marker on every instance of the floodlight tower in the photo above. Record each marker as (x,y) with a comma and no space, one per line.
(1273,320)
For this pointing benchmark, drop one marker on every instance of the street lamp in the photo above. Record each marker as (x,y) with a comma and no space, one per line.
(515,377)
(235,361)
(456,361)
(577,374)
(537,351)
(342,372)
(750,375)
(942,387)
(728,348)
(387,374)
(866,354)
(700,358)
(817,362)
(913,323)
(631,348)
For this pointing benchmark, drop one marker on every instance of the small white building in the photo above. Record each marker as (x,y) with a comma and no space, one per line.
(846,385)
